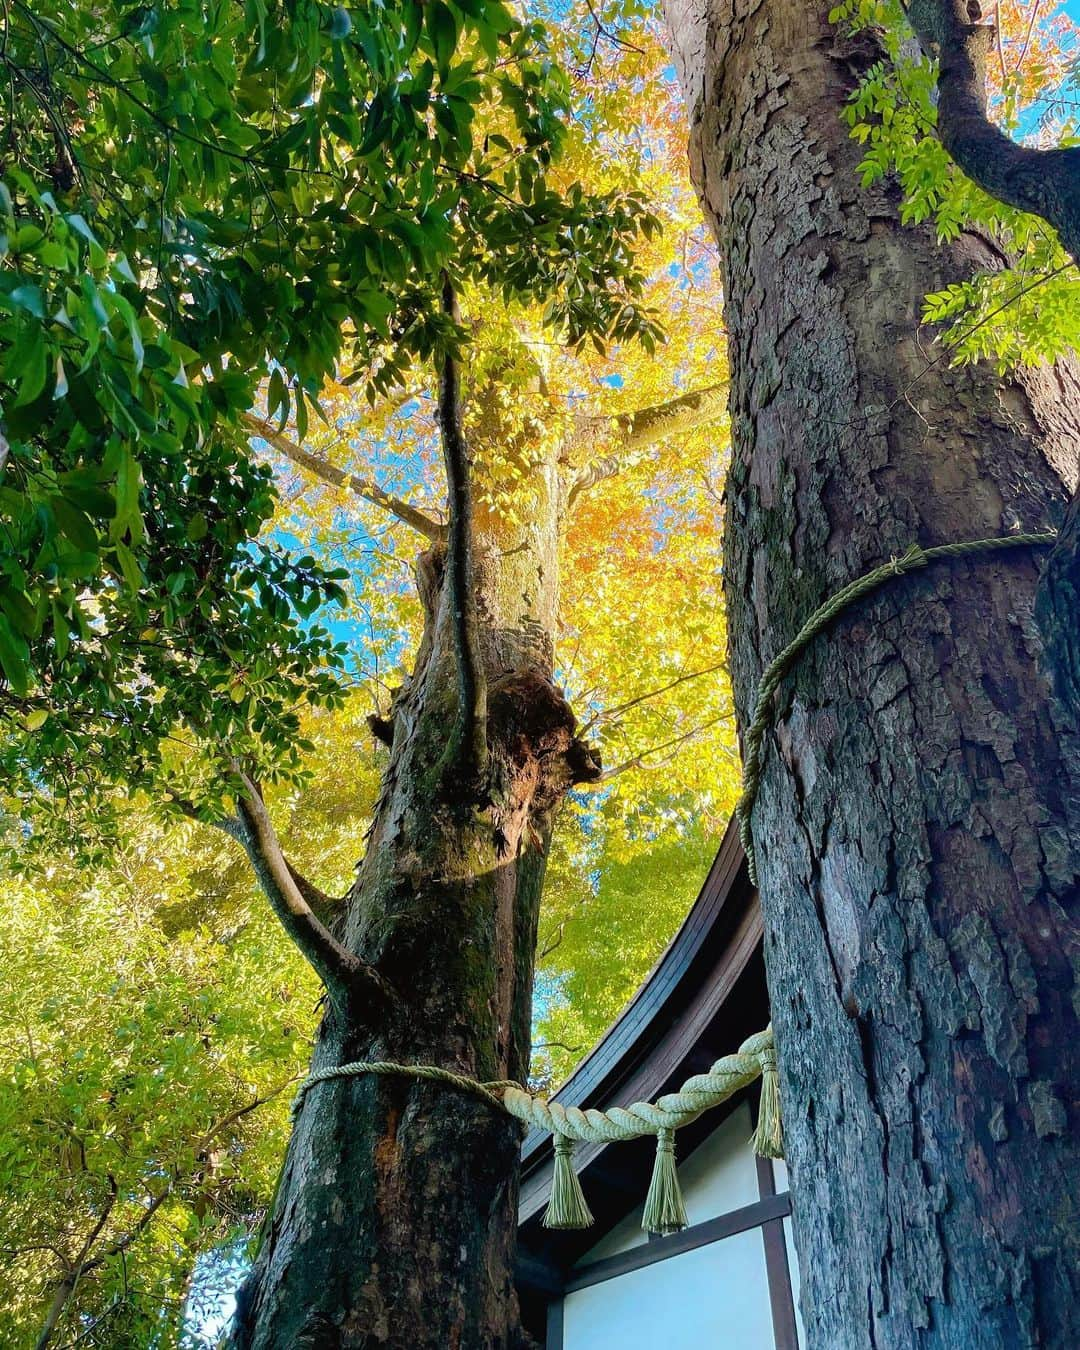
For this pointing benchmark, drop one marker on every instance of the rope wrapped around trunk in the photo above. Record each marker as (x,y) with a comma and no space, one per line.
(916,557)
(756,1057)
(664,1211)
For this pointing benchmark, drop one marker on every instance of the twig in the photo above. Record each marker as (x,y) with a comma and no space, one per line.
(607,713)
(638,761)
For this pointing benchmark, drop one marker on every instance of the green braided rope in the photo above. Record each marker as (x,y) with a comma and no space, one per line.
(664,1211)
(726,1077)
(670,1112)
(487,1092)
(914,558)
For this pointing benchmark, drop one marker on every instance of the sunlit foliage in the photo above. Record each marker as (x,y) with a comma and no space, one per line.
(1027,308)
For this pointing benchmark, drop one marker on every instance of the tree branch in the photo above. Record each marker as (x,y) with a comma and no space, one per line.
(343,973)
(606,714)
(470,735)
(65,1290)
(85,1263)
(330,473)
(638,761)
(1044,182)
(325,906)
(158,1199)
(639,431)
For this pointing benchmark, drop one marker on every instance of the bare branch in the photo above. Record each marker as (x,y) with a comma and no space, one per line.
(470,736)
(1044,182)
(606,714)
(330,473)
(551,944)
(343,973)
(636,432)
(638,761)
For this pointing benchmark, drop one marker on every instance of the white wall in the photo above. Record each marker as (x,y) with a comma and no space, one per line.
(715,1296)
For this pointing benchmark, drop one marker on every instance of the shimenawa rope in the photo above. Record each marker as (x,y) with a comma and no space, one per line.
(912,560)
(664,1210)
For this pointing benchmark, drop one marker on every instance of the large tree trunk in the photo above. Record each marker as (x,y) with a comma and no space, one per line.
(918,826)
(396,1218)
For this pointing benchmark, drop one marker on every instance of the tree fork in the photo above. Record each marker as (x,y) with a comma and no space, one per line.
(398,1201)
(395,1221)
(1044,182)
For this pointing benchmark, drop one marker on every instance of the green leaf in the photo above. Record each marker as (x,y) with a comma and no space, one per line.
(128,519)
(79,225)
(81,488)
(443,31)
(21,611)
(29,297)
(277,398)
(75,524)
(61,634)
(129,567)
(13,659)
(30,360)
(197,528)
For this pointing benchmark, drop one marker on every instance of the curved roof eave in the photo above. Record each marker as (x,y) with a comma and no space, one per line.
(703,996)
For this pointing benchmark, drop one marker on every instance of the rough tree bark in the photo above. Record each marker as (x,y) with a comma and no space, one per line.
(396,1218)
(918,825)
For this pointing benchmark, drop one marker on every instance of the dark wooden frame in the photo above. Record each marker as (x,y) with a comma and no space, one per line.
(777,1271)
(706,993)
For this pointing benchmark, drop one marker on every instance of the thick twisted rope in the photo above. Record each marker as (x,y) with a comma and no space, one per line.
(664,1211)
(911,561)
(670,1112)
(431,1073)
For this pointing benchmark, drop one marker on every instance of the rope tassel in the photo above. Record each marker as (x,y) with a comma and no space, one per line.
(768,1138)
(664,1209)
(567,1207)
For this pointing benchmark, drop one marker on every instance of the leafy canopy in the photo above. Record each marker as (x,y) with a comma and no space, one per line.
(199,201)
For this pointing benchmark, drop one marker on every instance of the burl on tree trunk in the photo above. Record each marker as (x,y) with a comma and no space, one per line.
(918,825)
(395,1221)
